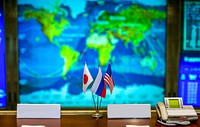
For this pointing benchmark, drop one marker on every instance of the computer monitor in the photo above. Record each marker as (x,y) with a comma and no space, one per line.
(3,96)
(190,25)
(189,62)
(55,39)
(189,79)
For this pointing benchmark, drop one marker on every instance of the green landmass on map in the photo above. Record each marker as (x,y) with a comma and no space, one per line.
(129,25)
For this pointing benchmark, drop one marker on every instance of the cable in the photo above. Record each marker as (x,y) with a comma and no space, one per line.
(174,123)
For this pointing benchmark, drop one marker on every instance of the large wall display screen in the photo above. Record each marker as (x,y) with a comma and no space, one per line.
(189,64)
(56,38)
(191,25)
(189,79)
(2,59)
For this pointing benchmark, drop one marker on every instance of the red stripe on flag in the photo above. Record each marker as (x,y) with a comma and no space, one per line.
(108,80)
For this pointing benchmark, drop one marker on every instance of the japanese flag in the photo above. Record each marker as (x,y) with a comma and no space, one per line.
(87,78)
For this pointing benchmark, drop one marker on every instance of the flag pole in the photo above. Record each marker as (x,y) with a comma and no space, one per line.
(97,111)
(100,102)
(94,101)
(96,114)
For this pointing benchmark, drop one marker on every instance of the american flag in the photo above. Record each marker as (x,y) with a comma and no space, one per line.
(108,78)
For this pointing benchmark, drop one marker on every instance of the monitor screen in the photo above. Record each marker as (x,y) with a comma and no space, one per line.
(2,59)
(174,103)
(189,61)
(191,23)
(189,79)
(56,38)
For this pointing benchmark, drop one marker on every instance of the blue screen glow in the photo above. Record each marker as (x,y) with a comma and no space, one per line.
(2,59)
(56,38)
(189,79)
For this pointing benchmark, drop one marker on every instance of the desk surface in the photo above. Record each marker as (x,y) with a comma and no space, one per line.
(82,121)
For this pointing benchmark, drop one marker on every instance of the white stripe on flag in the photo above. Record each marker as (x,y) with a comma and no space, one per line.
(97,81)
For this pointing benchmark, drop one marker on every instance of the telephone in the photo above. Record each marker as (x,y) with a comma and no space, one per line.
(173,112)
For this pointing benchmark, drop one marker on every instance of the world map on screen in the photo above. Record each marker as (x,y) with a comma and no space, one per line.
(57,37)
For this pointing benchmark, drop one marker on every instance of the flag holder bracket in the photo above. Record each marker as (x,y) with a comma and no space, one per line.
(97,115)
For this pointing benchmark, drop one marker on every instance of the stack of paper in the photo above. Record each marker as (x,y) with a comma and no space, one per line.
(137,126)
(32,126)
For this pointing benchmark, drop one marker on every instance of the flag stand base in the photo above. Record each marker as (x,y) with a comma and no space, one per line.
(97,115)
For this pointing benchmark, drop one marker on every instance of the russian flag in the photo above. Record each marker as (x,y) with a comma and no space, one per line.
(99,87)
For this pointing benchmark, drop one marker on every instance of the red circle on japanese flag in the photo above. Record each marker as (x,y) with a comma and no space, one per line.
(85,78)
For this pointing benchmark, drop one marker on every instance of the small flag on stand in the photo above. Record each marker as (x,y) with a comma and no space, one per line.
(87,78)
(98,87)
(108,78)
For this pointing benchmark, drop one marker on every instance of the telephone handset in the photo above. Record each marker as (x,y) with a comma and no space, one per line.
(161,110)
(163,117)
